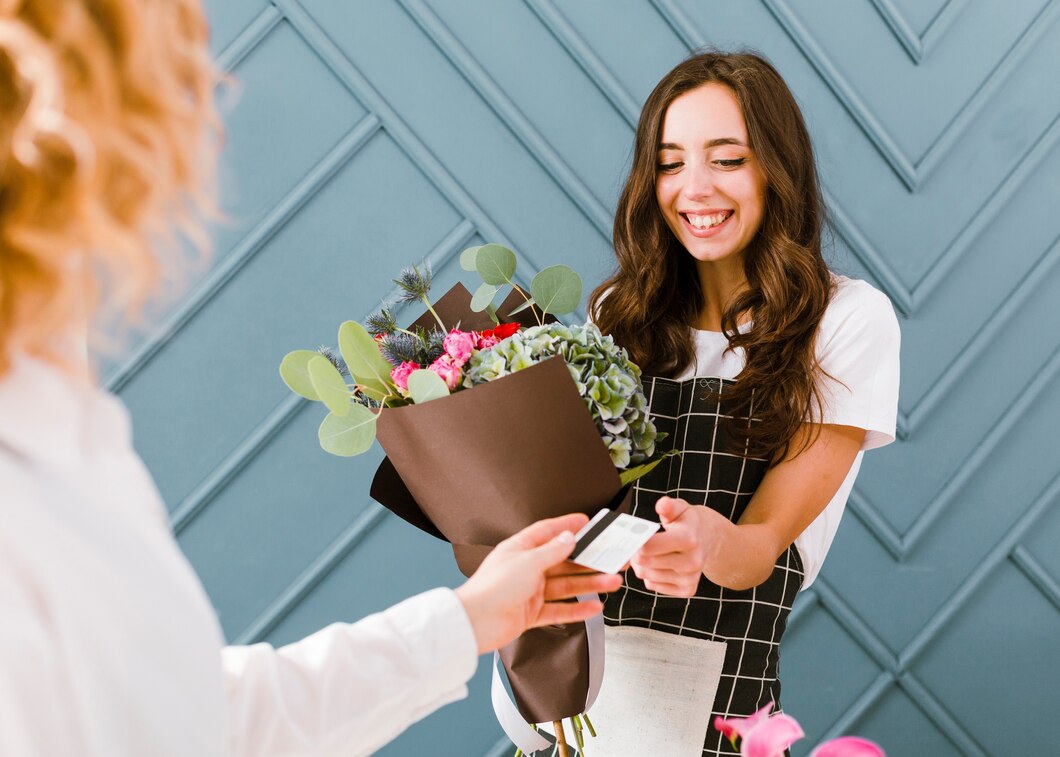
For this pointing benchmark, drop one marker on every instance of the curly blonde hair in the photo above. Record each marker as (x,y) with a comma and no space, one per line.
(108,140)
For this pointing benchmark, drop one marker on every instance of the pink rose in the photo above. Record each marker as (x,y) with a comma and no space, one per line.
(459,345)
(400,375)
(449,370)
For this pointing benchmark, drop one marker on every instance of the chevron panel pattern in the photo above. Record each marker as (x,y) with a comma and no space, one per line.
(364,135)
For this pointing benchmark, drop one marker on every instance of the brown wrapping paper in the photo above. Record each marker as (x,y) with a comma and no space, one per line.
(477,466)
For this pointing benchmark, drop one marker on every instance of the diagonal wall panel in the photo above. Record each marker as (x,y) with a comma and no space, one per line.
(369,135)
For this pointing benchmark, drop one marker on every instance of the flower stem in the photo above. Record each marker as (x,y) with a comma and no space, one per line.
(533,308)
(561,739)
(436,317)
(589,724)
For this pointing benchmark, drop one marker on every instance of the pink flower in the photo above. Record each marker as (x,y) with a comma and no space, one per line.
(459,345)
(400,375)
(761,735)
(447,367)
(486,341)
(848,746)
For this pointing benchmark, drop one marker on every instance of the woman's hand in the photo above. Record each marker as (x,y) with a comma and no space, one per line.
(518,584)
(673,560)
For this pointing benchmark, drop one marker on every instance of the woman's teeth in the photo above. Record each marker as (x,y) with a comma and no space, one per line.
(705,222)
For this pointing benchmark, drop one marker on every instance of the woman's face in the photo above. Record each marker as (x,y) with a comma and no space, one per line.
(709,187)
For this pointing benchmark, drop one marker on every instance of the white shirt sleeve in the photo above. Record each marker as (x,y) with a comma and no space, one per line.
(857,347)
(350,688)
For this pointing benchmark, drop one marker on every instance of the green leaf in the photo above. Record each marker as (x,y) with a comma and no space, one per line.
(491,311)
(483,297)
(361,353)
(294,370)
(348,435)
(425,386)
(632,474)
(529,303)
(557,289)
(495,264)
(329,385)
(467,258)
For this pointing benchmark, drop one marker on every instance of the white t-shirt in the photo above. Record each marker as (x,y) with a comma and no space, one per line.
(857,345)
(108,643)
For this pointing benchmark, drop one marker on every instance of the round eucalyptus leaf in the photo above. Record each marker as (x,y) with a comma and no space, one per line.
(361,353)
(294,370)
(329,385)
(483,297)
(495,264)
(348,435)
(425,386)
(557,290)
(468,256)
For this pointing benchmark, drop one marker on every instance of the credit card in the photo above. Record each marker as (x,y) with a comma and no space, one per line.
(610,539)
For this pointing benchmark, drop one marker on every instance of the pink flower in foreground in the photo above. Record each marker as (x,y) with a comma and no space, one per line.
(447,367)
(459,345)
(400,375)
(761,735)
(848,746)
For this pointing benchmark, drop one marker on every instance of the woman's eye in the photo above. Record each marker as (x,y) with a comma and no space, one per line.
(669,166)
(731,163)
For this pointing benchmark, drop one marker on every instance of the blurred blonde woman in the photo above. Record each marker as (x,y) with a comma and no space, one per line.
(108,644)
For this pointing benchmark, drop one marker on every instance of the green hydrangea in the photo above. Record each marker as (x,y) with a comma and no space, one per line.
(606,379)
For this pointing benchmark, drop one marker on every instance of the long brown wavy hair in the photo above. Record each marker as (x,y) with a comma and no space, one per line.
(108,138)
(651,302)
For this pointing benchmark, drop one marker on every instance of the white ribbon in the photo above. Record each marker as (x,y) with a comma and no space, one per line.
(518,731)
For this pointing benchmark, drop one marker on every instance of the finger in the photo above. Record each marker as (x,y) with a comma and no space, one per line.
(664,543)
(670,509)
(679,562)
(672,589)
(572,586)
(543,531)
(554,613)
(569,568)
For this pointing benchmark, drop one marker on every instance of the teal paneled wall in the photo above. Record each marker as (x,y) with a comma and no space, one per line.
(369,134)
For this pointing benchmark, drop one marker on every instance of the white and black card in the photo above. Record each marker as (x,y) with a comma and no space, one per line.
(610,539)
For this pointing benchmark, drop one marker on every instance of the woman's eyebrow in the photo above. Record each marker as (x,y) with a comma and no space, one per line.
(710,143)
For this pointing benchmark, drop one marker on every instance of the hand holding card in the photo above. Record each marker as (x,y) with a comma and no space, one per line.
(608,541)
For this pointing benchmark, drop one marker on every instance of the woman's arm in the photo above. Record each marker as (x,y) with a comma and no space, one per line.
(699,541)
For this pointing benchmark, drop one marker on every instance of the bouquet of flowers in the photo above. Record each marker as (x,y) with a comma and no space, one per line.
(551,417)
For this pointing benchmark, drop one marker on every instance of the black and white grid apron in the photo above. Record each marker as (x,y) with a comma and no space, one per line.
(750,623)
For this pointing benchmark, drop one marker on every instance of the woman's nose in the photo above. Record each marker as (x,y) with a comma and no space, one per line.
(699,181)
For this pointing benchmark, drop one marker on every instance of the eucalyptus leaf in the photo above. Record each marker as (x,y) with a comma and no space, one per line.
(348,435)
(630,475)
(483,297)
(491,311)
(468,256)
(529,303)
(329,385)
(425,386)
(495,264)
(294,370)
(557,290)
(361,353)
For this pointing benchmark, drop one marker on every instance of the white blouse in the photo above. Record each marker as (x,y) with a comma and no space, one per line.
(109,645)
(857,345)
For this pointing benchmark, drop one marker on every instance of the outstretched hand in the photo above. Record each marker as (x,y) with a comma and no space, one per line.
(518,585)
(673,559)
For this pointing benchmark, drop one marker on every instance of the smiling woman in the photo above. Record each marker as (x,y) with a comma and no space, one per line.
(771,376)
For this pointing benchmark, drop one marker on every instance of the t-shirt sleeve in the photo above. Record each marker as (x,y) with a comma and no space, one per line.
(858,350)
